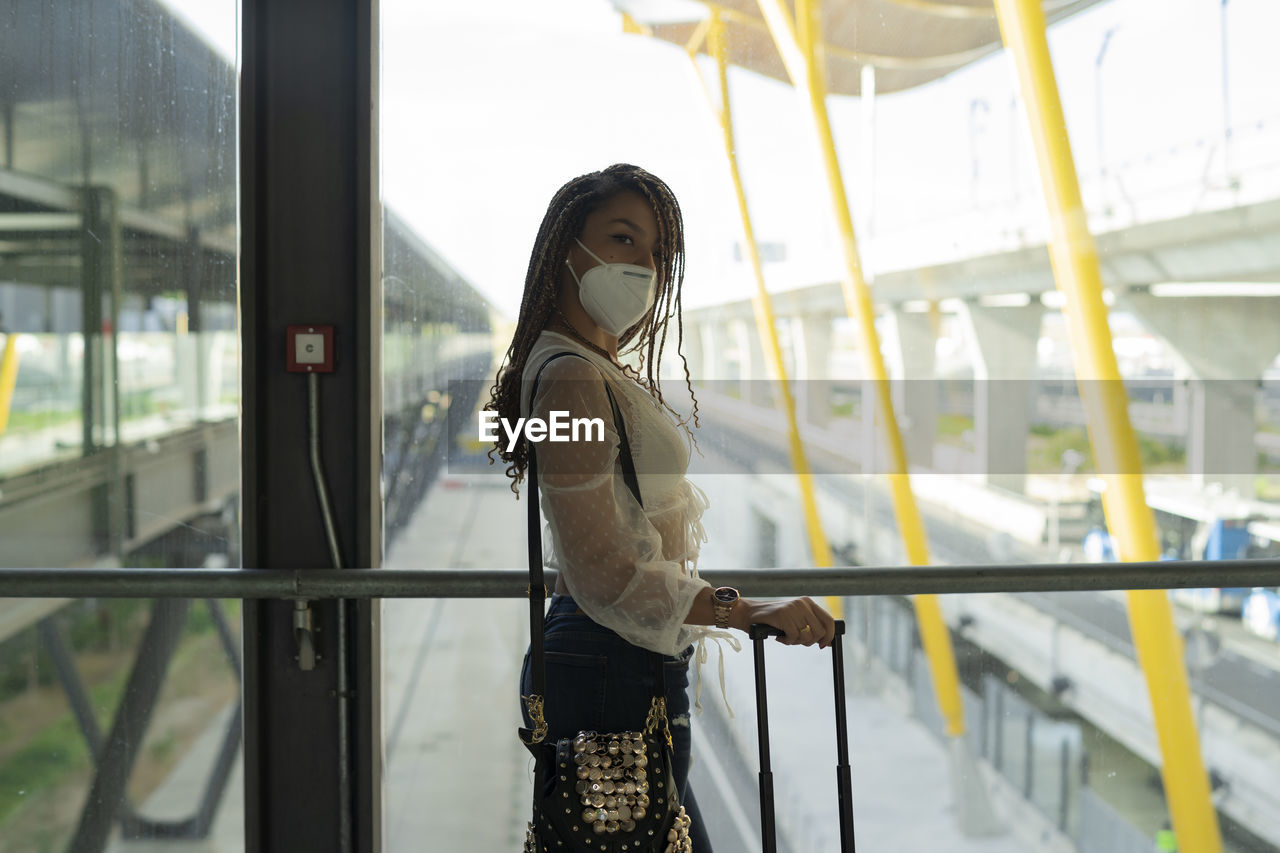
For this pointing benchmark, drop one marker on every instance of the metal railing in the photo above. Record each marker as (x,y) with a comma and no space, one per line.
(315,584)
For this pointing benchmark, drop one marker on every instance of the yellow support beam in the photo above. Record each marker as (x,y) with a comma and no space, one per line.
(1075,265)
(807,72)
(819,547)
(8,378)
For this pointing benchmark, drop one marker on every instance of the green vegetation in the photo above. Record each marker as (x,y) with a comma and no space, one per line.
(38,419)
(90,625)
(1047,445)
(137,404)
(1161,455)
(951,428)
(843,409)
(59,749)
(162,749)
(1268,489)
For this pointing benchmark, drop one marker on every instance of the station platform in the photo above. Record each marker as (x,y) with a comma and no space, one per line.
(456,770)
(451,699)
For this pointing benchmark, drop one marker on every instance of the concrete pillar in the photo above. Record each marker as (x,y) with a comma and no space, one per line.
(1004,374)
(1221,446)
(101,282)
(190,355)
(1226,343)
(754,375)
(693,354)
(813,375)
(715,353)
(910,357)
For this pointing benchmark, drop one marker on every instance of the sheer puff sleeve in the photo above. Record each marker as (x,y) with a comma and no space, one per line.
(613,559)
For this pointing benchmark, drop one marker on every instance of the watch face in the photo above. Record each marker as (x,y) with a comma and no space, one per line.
(726,595)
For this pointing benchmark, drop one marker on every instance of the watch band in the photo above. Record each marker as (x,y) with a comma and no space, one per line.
(722,607)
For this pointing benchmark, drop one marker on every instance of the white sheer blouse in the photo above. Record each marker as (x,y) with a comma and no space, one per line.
(630,568)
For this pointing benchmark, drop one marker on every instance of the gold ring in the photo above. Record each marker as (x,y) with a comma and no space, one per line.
(805,628)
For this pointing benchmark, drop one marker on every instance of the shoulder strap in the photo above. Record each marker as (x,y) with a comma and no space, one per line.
(624,446)
(537,583)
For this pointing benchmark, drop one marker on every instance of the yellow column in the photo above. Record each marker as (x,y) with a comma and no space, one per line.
(818,545)
(1075,266)
(8,378)
(801,46)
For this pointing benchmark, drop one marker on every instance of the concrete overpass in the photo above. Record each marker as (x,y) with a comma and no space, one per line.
(1202,283)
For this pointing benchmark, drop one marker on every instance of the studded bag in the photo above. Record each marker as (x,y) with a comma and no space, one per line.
(597,792)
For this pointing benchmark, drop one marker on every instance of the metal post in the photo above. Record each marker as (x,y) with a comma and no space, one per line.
(1029,759)
(997,756)
(819,547)
(120,750)
(194,275)
(311,253)
(985,739)
(65,665)
(1064,785)
(1075,264)
(101,270)
(800,44)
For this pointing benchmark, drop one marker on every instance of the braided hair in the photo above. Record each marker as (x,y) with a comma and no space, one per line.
(564,220)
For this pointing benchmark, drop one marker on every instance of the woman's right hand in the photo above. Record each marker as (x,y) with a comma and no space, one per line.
(803,621)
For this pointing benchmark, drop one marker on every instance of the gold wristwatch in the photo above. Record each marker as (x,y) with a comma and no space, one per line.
(722,601)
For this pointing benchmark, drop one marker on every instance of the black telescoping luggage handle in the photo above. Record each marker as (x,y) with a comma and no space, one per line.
(844,777)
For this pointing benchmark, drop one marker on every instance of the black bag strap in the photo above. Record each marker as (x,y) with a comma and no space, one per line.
(537,584)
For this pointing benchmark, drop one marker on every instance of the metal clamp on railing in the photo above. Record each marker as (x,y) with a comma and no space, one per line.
(304,635)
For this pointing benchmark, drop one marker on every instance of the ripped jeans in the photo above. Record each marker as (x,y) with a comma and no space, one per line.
(597,681)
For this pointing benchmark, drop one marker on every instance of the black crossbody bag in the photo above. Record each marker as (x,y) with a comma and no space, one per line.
(597,792)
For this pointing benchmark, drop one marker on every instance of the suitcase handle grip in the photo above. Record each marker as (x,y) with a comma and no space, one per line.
(760,631)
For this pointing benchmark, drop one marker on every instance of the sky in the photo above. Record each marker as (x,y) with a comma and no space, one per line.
(488,107)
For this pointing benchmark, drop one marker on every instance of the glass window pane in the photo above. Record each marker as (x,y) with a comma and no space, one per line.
(119,377)
(932,323)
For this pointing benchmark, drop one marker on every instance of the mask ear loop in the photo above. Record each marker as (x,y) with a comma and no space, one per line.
(577,280)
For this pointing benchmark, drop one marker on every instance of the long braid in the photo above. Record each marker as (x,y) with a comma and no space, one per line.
(564,220)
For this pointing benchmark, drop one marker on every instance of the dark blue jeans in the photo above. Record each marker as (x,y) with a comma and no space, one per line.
(597,681)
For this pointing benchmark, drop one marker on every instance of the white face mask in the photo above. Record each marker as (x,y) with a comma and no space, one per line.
(615,295)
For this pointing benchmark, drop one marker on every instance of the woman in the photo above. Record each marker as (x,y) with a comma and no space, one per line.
(605,274)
